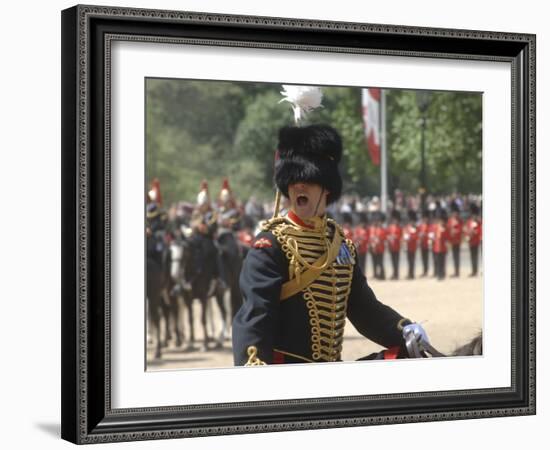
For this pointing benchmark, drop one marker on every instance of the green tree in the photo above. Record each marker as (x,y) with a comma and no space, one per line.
(211,130)
(256,142)
(452,140)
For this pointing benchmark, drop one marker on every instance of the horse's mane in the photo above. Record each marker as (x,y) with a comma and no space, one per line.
(474,347)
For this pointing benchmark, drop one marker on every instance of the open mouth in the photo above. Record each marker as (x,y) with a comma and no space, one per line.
(302,200)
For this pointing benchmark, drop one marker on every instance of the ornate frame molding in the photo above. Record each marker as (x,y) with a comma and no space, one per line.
(86,192)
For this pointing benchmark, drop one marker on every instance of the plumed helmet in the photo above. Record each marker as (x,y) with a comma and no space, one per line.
(203,196)
(225,192)
(154,194)
(309,154)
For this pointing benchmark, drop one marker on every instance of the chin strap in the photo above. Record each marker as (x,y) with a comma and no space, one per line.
(319,201)
(277,204)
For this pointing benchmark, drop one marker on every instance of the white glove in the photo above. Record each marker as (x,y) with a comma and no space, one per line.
(418,332)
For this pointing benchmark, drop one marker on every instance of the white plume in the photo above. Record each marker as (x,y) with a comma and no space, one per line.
(303,99)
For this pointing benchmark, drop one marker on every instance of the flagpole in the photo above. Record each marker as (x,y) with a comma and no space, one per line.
(383,154)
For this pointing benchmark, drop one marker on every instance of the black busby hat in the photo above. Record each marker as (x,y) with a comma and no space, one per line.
(309,154)
(379,216)
(474,209)
(441,214)
(412,215)
(362,217)
(454,206)
(347,218)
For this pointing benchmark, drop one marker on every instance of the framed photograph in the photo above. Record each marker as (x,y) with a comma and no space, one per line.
(284,224)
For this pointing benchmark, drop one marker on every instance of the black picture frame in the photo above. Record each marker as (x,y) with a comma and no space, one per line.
(87,415)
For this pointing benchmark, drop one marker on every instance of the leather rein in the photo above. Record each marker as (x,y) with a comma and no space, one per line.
(419,348)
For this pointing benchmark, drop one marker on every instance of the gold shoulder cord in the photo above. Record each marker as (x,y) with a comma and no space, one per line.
(213,219)
(289,237)
(271,223)
(253,359)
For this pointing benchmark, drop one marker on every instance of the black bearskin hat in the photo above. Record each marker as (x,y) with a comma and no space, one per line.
(441,214)
(378,216)
(362,217)
(412,215)
(396,215)
(311,155)
(347,218)
(454,207)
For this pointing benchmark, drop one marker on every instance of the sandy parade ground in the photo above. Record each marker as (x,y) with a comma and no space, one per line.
(450,310)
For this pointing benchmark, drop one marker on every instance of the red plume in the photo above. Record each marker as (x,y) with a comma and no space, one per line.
(155,186)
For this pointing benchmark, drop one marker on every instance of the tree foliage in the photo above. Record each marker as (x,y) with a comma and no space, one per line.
(452,141)
(211,130)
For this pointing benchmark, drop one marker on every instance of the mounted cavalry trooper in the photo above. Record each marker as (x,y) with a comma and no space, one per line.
(156,226)
(300,279)
(229,252)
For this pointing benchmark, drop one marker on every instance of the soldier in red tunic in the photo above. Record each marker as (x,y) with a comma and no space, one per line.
(410,236)
(424,237)
(454,226)
(472,231)
(361,241)
(394,233)
(440,238)
(371,230)
(347,222)
(377,245)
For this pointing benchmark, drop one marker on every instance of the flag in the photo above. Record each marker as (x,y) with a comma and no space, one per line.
(371,120)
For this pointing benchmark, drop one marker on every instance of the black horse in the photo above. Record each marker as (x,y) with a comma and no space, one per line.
(474,347)
(201,280)
(230,264)
(157,288)
(414,348)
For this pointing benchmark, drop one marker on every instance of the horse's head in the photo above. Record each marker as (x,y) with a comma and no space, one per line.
(179,256)
(474,347)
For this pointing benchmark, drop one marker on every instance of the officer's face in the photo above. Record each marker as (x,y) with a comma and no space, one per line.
(307,200)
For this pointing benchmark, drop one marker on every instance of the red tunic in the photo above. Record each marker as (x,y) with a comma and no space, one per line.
(245,237)
(440,238)
(410,236)
(377,239)
(454,225)
(394,237)
(472,230)
(361,239)
(348,232)
(424,235)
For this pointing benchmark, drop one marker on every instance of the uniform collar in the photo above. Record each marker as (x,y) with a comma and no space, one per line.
(315,223)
